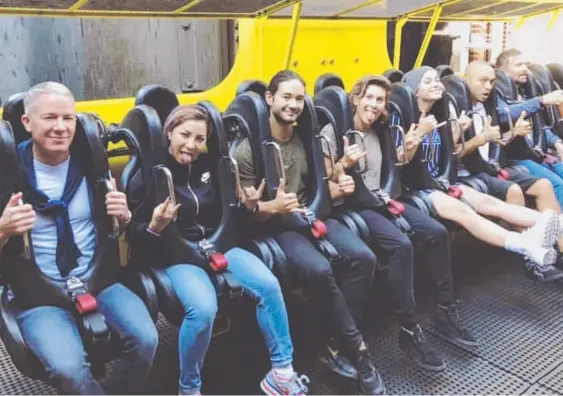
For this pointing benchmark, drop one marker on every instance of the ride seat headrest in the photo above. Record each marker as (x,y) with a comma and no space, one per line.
(403,99)
(444,70)
(256,86)
(162,99)
(505,86)
(328,80)
(556,70)
(12,112)
(457,88)
(393,75)
(543,77)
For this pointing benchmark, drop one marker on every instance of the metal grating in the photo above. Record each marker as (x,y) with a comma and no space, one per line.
(135,5)
(322,7)
(513,319)
(232,6)
(537,389)
(554,380)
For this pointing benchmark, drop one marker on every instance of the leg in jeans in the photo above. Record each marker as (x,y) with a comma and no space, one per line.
(315,270)
(261,284)
(53,337)
(397,248)
(546,172)
(359,261)
(199,299)
(434,237)
(127,315)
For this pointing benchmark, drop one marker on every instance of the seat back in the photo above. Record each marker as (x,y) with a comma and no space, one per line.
(160,98)
(444,70)
(13,110)
(415,174)
(144,122)
(556,70)
(551,116)
(333,107)
(327,80)
(393,75)
(507,90)
(257,86)
(460,97)
(252,115)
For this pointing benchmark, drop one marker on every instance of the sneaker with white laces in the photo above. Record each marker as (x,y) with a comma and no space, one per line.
(548,273)
(275,384)
(539,255)
(546,230)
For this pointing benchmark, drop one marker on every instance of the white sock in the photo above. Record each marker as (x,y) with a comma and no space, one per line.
(514,243)
(284,372)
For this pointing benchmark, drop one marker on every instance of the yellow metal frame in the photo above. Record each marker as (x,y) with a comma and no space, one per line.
(428,36)
(293,32)
(398,41)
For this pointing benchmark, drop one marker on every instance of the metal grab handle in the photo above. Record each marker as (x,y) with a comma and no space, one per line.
(462,133)
(512,135)
(114,220)
(403,144)
(26,244)
(169,184)
(234,169)
(362,144)
(279,159)
(330,154)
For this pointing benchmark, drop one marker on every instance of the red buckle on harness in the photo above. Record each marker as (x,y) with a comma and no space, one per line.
(218,262)
(455,192)
(503,174)
(85,303)
(396,208)
(318,229)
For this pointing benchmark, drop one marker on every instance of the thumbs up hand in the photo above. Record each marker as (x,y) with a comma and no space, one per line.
(17,218)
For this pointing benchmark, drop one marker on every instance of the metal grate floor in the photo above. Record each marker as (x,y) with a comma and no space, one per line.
(517,321)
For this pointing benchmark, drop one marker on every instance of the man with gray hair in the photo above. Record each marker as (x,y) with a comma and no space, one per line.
(59,216)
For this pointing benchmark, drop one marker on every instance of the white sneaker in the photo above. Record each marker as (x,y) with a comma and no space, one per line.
(546,230)
(539,255)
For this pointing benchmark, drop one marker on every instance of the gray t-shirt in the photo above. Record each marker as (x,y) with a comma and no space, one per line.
(295,166)
(372,177)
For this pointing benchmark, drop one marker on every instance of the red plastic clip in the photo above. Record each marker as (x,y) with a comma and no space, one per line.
(318,229)
(455,192)
(218,262)
(85,303)
(503,174)
(396,208)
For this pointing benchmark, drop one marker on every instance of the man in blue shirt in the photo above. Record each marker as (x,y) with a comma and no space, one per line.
(54,178)
(512,62)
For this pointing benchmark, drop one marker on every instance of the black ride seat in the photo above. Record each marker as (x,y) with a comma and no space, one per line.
(328,80)
(393,75)
(145,123)
(545,82)
(20,274)
(248,116)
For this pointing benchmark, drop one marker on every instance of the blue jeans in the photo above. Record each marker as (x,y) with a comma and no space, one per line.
(554,173)
(198,296)
(53,336)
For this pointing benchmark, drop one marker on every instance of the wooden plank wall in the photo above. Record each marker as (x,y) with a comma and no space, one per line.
(111,58)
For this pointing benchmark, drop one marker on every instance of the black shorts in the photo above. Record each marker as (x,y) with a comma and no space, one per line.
(496,187)
(522,177)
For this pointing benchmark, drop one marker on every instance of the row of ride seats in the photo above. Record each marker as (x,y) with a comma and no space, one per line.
(246,117)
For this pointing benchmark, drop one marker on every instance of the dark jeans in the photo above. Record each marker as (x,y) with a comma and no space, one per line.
(397,248)
(343,301)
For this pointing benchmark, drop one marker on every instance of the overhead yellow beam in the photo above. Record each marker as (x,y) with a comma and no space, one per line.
(356,8)
(398,41)
(187,6)
(79,4)
(296,15)
(554,16)
(272,9)
(428,36)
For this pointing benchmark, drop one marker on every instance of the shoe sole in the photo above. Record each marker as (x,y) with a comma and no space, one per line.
(551,232)
(435,369)
(334,368)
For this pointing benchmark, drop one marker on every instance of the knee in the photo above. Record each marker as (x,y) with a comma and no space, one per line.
(146,342)
(321,274)
(437,233)
(515,195)
(404,246)
(364,258)
(71,375)
(269,287)
(539,187)
(202,312)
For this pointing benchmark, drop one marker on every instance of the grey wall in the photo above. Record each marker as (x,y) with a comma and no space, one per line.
(110,58)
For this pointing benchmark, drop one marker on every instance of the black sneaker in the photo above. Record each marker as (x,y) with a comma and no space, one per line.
(414,344)
(338,362)
(368,376)
(449,325)
(547,273)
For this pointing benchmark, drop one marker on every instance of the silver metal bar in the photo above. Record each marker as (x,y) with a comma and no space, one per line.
(279,159)
(234,169)
(330,154)
(403,143)
(26,244)
(115,221)
(361,169)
